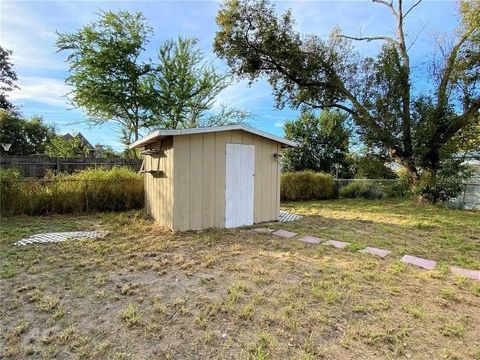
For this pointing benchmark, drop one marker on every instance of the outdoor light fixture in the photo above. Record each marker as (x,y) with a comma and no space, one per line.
(277,156)
(6,147)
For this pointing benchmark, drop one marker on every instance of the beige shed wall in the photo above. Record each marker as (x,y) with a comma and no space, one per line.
(199,178)
(159,190)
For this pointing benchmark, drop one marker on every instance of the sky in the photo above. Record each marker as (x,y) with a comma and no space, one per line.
(28,28)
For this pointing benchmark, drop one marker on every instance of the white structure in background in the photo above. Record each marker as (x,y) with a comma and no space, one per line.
(470,197)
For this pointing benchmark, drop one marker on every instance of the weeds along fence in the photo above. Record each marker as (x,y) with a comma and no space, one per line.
(372,188)
(308,185)
(117,190)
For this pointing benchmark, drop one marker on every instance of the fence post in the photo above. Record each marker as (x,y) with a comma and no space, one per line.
(58,164)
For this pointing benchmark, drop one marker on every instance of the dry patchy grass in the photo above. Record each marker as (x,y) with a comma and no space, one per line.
(146,293)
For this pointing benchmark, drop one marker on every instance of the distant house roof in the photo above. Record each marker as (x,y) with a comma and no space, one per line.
(82,138)
(162,134)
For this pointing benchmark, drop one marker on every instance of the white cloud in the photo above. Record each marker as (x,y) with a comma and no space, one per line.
(242,95)
(41,90)
(279,123)
(31,39)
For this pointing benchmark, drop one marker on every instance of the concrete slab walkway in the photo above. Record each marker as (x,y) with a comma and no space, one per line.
(472,274)
(376,251)
(311,239)
(407,259)
(264,230)
(284,233)
(337,244)
(423,263)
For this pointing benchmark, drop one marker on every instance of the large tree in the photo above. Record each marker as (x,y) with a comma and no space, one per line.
(107,74)
(323,142)
(376,92)
(8,78)
(185,88)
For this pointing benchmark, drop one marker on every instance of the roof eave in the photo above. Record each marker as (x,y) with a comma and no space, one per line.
(159,134)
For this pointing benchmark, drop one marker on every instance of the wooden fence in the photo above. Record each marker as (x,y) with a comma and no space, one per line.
(37,166)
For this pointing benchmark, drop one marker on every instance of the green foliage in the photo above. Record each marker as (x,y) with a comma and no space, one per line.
(116,189)
(27,136)
(8,78)
(67,148)
(323,142)
(377,92)
(357,189)
(371,167)
(107,76)
(446,183)
(184,88)
(111,82)
(374,190)
(307,185)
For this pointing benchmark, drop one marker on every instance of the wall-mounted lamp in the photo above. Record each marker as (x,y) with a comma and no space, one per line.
(277,156)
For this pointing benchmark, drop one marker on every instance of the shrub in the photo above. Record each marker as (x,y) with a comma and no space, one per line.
(307,185)
(116,189)
(361,189)
(374,190)
(446,184)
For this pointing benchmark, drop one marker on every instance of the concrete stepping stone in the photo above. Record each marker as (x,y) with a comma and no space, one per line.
(337,244)
(284,233)
(423,263)
(376,251)
(264,230)
(472,274)
(311,239)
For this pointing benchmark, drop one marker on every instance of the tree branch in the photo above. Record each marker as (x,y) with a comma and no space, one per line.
(388,4)
(447,73)
(370,38)
(330,106)
(411,8)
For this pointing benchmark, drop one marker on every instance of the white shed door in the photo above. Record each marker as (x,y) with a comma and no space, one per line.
(240,171)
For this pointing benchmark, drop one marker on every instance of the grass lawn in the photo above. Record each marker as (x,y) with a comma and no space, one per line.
(145,293)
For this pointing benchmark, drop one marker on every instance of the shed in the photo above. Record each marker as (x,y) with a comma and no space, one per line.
(226,176)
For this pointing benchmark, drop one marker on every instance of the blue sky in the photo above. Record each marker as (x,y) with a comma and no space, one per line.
(28,28)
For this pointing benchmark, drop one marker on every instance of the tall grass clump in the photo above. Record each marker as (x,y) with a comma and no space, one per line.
(374,190)
(115,189)
(307,185)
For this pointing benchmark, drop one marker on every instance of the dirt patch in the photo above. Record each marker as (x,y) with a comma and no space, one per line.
(147,293)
